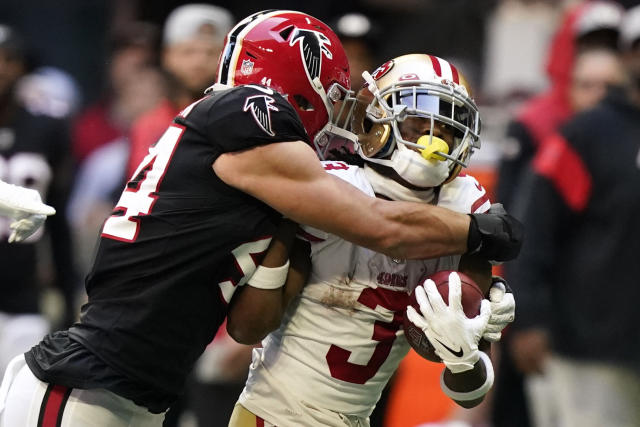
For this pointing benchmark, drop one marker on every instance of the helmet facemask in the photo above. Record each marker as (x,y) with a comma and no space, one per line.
(339,102)
(377,119)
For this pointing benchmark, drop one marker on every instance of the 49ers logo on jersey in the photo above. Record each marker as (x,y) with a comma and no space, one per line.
(313,44)
(260,107)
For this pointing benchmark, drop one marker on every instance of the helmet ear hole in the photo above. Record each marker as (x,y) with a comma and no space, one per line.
(303,103)
(286,32)
(367,124)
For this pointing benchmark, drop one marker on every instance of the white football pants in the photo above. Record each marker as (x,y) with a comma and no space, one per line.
(25,401)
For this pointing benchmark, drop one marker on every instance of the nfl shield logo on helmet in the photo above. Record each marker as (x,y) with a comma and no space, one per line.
(247,67)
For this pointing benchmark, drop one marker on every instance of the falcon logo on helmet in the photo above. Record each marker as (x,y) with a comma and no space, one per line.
(313,44)
(260,107)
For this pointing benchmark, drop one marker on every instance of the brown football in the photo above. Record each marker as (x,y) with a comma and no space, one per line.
(471,300)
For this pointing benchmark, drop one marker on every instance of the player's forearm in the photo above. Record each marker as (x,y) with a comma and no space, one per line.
(255,312)
(469,388)
(478,268)
(416,231)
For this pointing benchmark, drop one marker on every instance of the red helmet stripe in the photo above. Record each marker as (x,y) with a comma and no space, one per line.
(436,65)
(454,74)
(233,46)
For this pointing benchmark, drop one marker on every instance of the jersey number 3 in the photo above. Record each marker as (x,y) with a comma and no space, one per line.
(139,196)
(383,332)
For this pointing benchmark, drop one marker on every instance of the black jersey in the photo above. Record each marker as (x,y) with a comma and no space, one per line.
(34,150)
(177,245)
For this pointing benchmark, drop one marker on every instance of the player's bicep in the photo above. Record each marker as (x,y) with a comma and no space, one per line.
(288,177)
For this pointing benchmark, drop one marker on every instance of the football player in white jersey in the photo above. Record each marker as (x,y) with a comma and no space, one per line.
(341,339)
(25,207)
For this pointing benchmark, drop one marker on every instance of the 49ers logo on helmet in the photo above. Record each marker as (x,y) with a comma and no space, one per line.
(313,44)
(382,70)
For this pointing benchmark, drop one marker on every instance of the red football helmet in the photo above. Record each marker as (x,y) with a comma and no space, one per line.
(296,55)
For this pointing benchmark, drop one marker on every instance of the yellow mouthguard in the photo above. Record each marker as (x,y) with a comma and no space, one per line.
(437,144)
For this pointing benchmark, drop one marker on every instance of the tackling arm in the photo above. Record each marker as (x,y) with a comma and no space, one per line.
(256,311)
(288,177)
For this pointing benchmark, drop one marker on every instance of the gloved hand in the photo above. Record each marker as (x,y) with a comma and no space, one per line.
(26,207)
(503,309)
(452,334)
(495,235)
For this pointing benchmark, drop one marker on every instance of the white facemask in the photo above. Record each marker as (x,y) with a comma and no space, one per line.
(415,169)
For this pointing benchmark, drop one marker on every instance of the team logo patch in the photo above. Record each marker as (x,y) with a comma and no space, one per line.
(313,45)
(247,67)
(261,107)
(382,70)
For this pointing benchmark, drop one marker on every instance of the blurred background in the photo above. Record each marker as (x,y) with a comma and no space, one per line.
(100,80)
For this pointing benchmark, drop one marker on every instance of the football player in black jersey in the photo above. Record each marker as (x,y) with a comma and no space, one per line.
(195,220)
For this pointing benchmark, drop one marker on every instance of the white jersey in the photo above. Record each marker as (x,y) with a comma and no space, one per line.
(341,339)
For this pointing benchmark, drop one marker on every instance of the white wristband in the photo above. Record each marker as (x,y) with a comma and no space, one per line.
(269,277)
(473,394)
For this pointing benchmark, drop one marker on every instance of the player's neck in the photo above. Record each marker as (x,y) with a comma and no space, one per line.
(389,188)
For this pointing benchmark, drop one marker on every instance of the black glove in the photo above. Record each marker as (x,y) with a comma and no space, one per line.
(495,235)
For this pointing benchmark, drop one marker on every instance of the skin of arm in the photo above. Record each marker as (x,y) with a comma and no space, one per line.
(288,177)
(254,312)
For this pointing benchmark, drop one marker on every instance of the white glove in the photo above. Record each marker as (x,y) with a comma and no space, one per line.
(452,334)
(503,310)
(26,207)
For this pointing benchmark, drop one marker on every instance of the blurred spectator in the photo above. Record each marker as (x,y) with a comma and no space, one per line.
(101,175)
(49,91)
(575,277)
(518,33)
(132,48)
(193,36)
(34,153)
(588,24)
(595,69)
(358,35)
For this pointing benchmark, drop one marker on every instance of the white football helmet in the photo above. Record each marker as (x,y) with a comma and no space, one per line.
(416,85)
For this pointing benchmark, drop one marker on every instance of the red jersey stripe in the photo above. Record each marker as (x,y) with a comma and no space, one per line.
(435,62)
(53,403)
(259,422)
(481,201)
(557,161)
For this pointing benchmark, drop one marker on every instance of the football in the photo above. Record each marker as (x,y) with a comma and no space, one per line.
(471,300)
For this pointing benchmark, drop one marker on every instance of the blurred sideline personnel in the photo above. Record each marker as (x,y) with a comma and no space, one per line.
(192,39)
(580,203)
(341,339)
(34,153)
(132,48)
(590,24)
(100,133)
(585,26)
(196,220)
